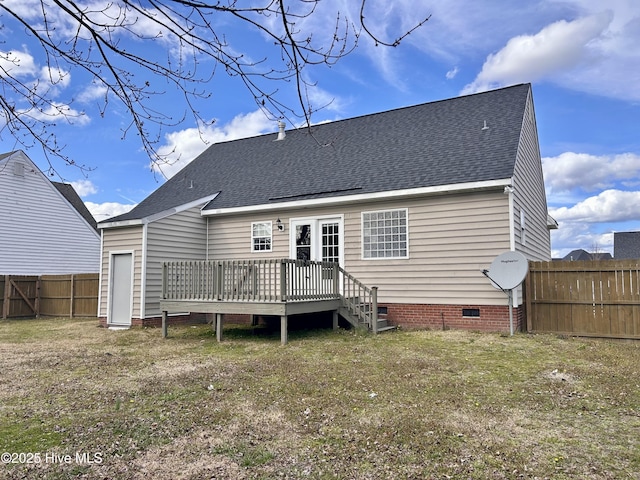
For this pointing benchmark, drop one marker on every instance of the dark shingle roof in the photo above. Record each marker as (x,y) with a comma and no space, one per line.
(626,245)
(74,199)
(432,144)
(580,254)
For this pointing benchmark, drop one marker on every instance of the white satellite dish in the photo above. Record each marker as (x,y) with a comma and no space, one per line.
(506,272)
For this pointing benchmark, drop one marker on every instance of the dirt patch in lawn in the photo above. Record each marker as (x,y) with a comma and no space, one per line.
(84,402)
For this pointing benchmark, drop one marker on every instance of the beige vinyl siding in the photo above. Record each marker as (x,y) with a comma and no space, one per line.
(121,240)
(451,239)
(529,192)
(182,236)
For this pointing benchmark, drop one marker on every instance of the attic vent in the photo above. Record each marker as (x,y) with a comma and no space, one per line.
(18,169)
(281,132)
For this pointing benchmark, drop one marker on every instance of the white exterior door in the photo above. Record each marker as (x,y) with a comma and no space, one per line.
(317,239)
(121,288)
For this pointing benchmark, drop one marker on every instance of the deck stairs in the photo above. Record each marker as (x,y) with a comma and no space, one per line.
(359,314)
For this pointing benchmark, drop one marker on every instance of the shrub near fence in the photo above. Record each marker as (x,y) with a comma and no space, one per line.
(49,295)
(585,298)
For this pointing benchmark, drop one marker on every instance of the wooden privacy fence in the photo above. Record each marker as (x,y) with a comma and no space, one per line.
(74,295)
(585,298)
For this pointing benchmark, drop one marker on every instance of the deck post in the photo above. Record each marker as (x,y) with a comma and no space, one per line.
(164,324)
(219,327)
(335,319)
(374,309)
(283,280)
(284,334)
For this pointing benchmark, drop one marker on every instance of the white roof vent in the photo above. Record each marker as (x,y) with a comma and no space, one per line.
(281,132)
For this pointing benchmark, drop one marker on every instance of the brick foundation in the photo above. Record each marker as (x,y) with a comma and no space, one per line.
(492,318)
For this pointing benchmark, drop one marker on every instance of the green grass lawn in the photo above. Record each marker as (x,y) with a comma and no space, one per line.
(82,401)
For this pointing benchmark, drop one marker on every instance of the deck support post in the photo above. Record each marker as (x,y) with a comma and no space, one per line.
(284,334)
(164,324)
(335,319)
(219,327)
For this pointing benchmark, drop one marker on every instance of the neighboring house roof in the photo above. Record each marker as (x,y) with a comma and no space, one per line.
(463,140)
(74,199)
(626,244)
(580,254)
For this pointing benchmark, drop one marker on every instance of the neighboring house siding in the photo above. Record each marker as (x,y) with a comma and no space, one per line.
(180,236)
(122,240)
(40,231)
(529,195)
(451,239)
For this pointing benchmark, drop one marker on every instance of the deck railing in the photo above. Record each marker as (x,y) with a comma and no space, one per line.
(268,281)
(272,280)
(359,300)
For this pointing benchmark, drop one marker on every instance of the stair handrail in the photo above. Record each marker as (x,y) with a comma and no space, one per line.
(360,300)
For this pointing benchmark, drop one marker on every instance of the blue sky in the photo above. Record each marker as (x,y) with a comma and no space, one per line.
(581,56)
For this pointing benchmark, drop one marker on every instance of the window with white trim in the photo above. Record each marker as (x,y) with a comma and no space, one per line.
(384,234)
(261,236)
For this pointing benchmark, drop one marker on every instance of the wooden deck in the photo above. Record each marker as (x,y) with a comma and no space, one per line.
(278,287)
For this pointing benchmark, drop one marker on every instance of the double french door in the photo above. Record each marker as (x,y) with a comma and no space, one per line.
(316,239)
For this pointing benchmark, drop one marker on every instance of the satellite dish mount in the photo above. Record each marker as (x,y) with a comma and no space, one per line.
(507,271)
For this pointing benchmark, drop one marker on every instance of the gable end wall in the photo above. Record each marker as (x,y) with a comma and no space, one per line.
(529,194)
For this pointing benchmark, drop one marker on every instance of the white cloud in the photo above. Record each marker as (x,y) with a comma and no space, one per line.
(59,111)
(103,211)
(570,171)
(18,63)
(608,206)
(451,74)
(557,48)
(84,187)
(92,92)
(183,146)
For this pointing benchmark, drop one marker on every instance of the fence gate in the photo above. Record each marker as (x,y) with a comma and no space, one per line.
(586,298)
(49,295)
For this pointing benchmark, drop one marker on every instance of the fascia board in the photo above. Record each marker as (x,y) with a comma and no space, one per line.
(160,215)
(390,195)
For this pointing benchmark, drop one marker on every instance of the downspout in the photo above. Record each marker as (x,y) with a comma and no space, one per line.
(508,190)
(143,267)
(206,251)
(100,276)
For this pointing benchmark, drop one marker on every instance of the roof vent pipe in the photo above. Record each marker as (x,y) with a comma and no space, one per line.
(281,133)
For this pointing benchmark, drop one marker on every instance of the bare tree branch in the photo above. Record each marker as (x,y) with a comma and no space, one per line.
(77,35)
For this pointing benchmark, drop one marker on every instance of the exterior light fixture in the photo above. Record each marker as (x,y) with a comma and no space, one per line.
(280,225)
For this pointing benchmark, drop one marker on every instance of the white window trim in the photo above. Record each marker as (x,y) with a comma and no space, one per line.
(523,227)
(270,249)
(362,256)
(315,222)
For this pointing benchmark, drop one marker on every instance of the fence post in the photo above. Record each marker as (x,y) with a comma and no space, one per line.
(71,299)
(7,297)
(36,301)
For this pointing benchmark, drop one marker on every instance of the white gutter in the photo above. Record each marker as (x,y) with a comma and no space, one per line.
(439,189)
